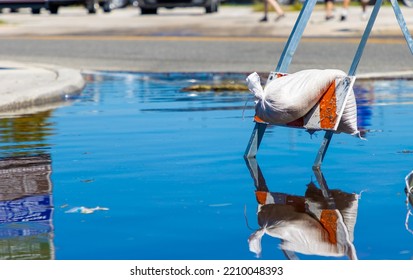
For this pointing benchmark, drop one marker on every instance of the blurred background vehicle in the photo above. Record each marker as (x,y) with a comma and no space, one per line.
(151,6)
(14,5)
(119,4)
(91,5)
(53,5)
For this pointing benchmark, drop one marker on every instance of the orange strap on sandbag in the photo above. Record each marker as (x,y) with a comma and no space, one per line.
(328,220)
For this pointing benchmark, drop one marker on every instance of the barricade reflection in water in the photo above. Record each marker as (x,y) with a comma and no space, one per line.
(321,222)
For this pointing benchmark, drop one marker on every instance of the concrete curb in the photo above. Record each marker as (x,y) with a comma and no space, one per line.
(26,86)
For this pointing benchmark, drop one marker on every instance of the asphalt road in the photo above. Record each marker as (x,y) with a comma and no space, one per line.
(146,48)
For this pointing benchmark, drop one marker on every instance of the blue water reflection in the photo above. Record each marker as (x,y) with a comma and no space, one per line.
(26,208)
(145,170)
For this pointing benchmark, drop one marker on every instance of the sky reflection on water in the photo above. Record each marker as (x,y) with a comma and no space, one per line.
(166,168)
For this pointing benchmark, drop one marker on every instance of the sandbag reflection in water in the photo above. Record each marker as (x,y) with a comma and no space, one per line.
(321,222)
(26,208)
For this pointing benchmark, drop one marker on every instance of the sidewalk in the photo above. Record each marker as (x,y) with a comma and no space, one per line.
(238,21)
(27,88)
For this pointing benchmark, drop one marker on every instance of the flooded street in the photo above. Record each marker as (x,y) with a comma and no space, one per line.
(137,168)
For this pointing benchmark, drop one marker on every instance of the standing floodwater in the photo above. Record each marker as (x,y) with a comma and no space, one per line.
(137,168)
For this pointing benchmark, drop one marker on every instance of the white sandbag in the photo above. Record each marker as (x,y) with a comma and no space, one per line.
(290,97)
(348,122)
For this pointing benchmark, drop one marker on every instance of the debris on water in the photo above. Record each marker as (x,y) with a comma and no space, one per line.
(406,152)
(220,205)
(85,210)
(373,130)
(87,180)
(217,87)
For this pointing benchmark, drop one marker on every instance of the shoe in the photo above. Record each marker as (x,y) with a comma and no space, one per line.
(343,18)
(264,19)
(329,18)
(280,17)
